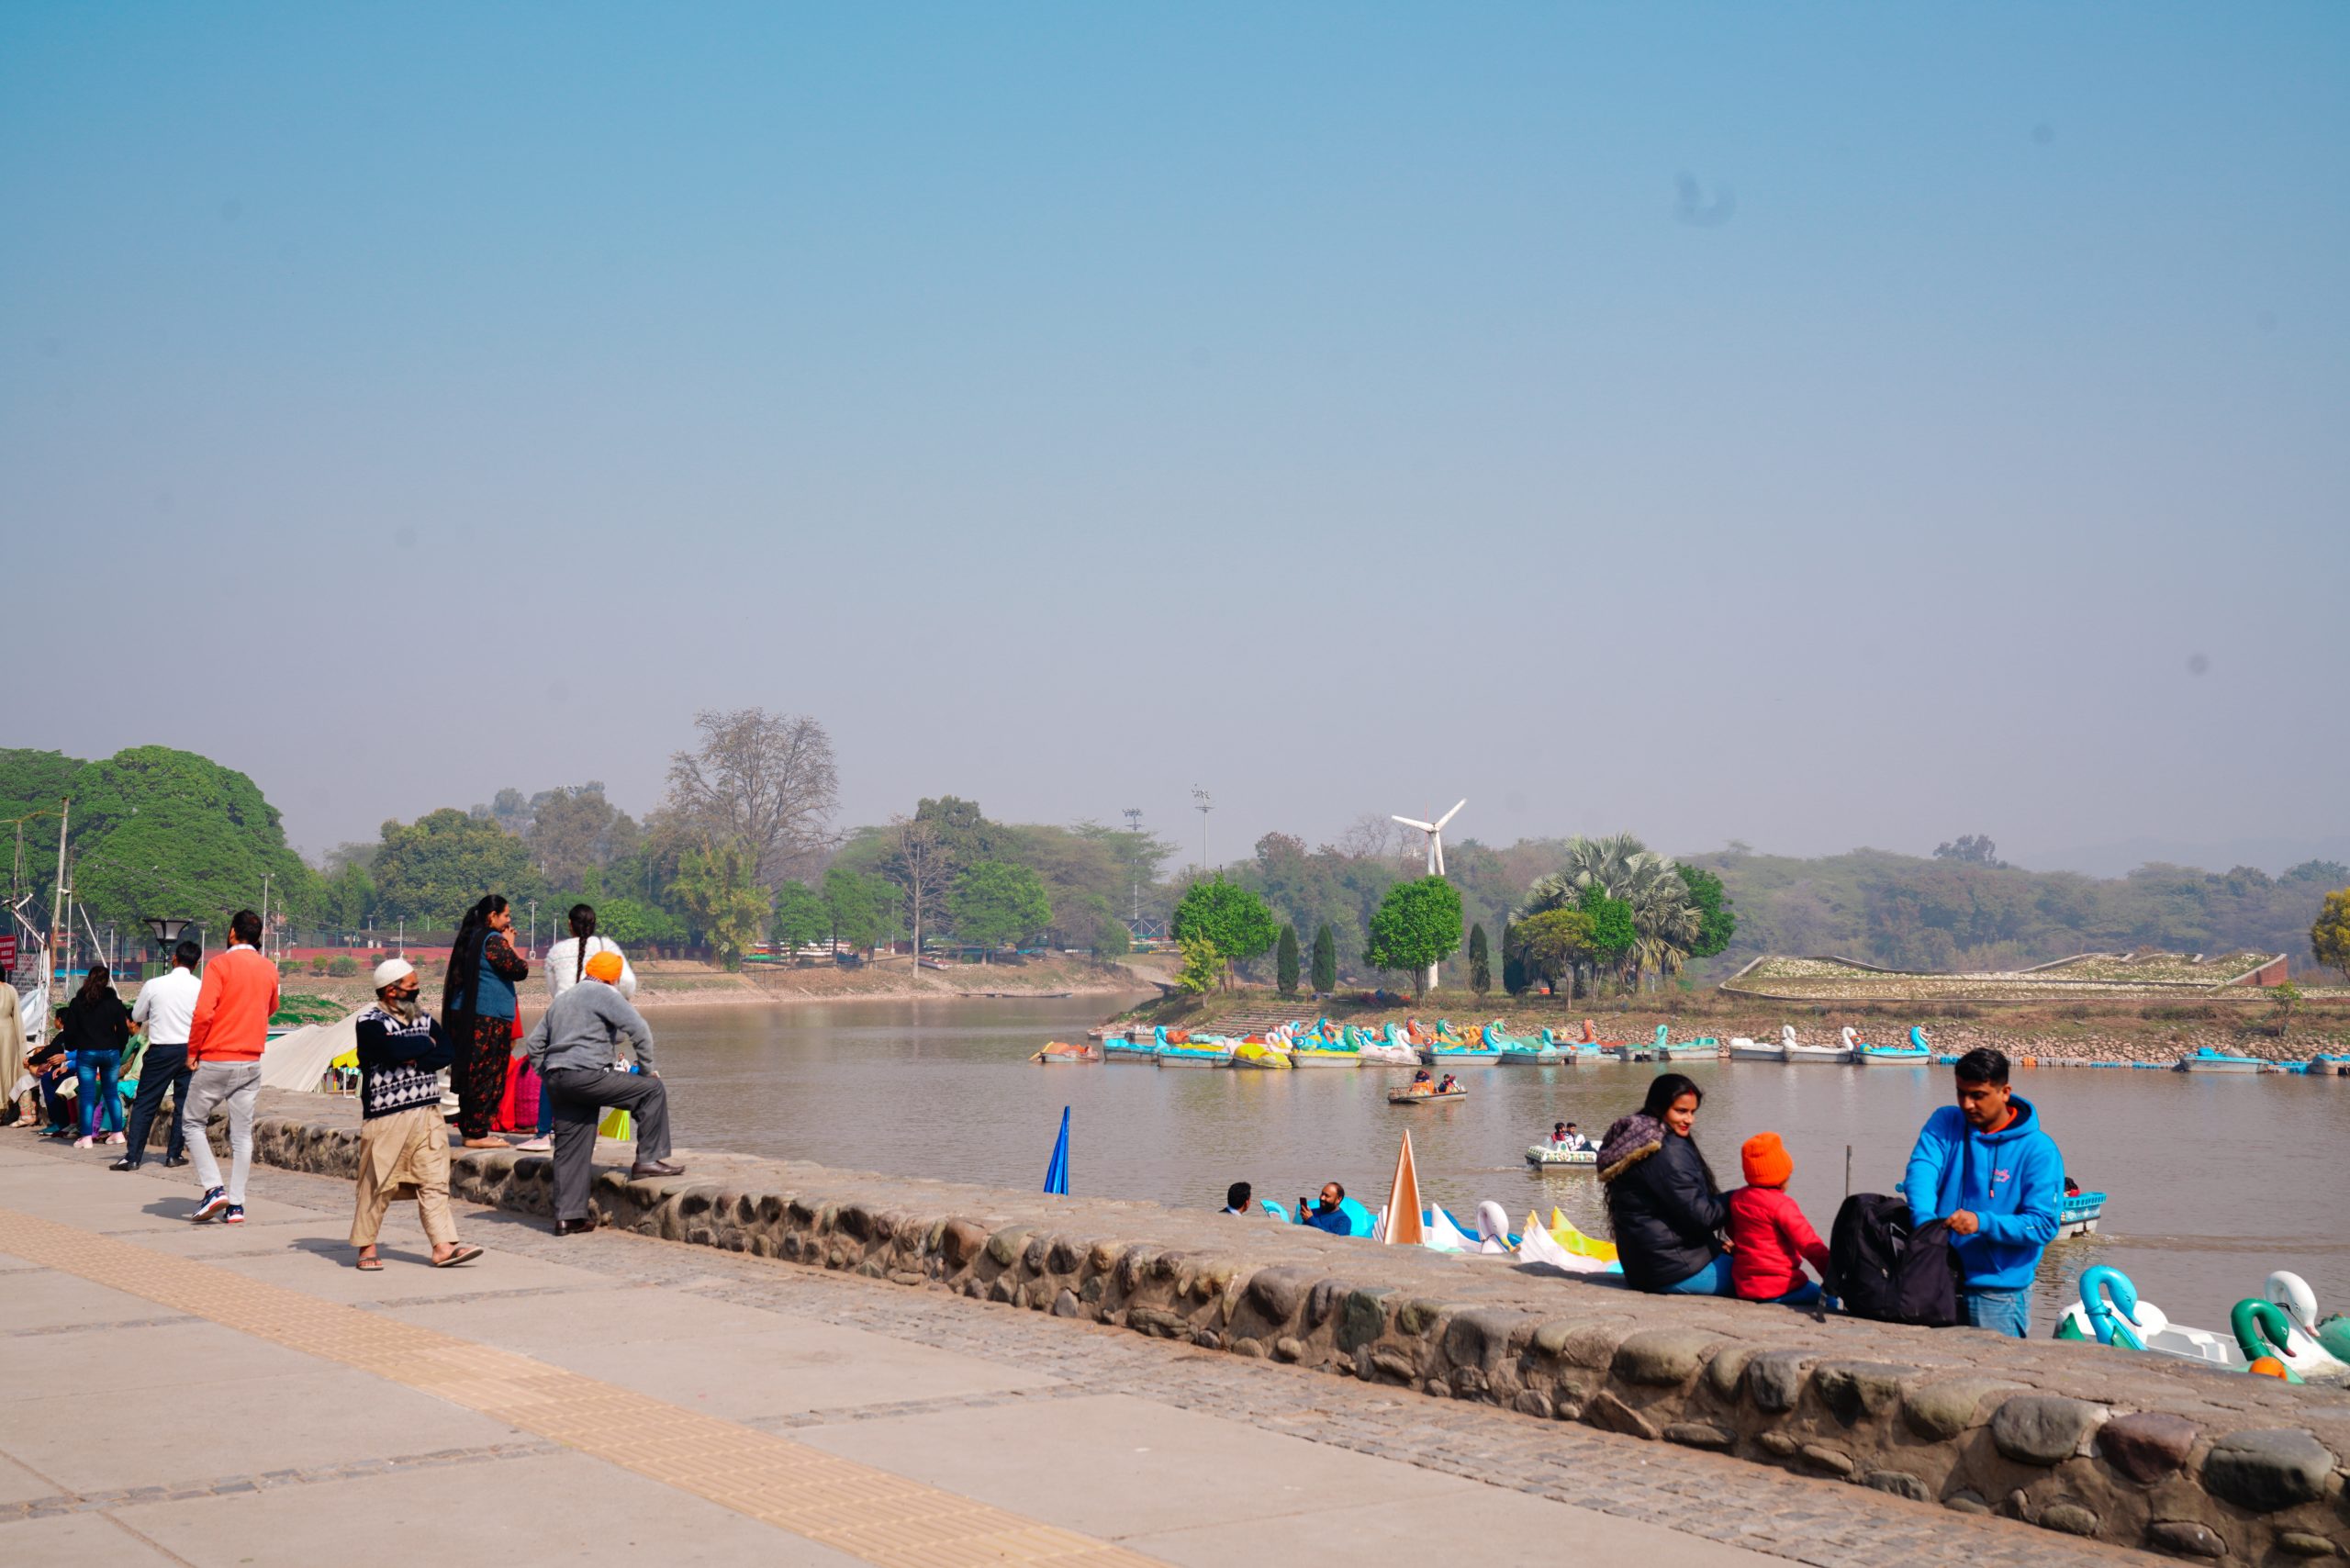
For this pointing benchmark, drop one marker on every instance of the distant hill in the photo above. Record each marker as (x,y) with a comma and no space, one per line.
(1910,912)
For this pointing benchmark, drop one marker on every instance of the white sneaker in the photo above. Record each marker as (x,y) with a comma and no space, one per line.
(535,1146)
(85,1142)
(117,1138)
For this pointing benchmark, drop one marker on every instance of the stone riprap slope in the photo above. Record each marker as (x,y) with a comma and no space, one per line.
(2124,1448)
(2084,977)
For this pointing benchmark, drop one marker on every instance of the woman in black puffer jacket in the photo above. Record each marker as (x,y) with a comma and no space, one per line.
(1662,1198)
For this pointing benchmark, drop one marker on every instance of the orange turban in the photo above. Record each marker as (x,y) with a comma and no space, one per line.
(606,967)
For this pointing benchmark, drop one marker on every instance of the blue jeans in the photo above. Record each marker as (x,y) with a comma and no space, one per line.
(1803,1295)
(2003,1312)
(99,1094)
(1711,1279)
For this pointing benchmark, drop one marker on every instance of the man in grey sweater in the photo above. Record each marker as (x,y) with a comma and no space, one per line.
(575,1048)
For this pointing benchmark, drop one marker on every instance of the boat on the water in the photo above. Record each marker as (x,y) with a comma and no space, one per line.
(1188,1052)
(2328,1064)
(2207,1060)
(1383,1049)
(1066,1053)
(1572,1049)
(2078,1212)
(1323,1055)
(1513,1048)
(1125,1048)
(1257,1056)
(1549,1155)
(2111,1313)
(1743,1049)
(1918,1052)
(1797,1051)
(1446,1047)
(1663,1048)
(1420,1096)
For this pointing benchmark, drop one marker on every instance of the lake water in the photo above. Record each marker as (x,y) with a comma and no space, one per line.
(2214,1180)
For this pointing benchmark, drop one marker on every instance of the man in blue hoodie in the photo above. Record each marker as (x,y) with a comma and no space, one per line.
(1986,1166)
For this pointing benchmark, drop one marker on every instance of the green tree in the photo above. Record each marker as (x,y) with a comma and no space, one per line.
(1203,964)
(995,903)
(1513,965)
(162,832)
(1112,939)
(1285,961)
(429,870)
(801,917)
(1325,960)
(2285,998)
(1553,945)
(1416,925)
(719,883)
(348,898)
(630,921)
(2329,937)
(1613,935)
(860,906)
(1228,918)
(1481,962)
(1716,925)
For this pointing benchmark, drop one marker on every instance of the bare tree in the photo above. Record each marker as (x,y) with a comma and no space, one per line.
(765,778)
(920,866)
(1370,837)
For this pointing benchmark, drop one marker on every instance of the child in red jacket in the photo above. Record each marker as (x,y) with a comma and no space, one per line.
(1770,1239)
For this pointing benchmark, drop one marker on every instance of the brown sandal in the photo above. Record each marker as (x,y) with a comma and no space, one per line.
(370,1265)
(462,1255)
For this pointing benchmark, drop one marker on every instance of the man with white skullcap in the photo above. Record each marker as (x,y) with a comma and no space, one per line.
(403,1140)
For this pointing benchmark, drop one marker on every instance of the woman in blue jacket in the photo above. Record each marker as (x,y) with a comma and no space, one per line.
(1986,1166)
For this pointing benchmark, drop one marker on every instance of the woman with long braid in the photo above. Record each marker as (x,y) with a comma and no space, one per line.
(567,966)
(477,1005)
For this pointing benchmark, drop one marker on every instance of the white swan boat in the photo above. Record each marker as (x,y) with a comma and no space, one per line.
(1743,1049)
(1797,1051)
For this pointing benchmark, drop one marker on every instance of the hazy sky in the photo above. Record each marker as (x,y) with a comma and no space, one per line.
(1811,426)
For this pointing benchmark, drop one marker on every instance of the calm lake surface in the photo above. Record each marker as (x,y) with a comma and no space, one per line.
(2214,1180)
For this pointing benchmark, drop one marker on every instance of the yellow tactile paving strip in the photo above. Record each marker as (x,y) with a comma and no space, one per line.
(851,1507)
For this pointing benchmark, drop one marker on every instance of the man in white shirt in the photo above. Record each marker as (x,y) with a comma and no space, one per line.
(165,1009)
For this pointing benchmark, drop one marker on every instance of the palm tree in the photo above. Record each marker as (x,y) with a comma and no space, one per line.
(1620,866)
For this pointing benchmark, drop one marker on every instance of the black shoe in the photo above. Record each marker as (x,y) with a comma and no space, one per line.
(125,1163)
(575,1226)
(644,1168)
(175,1162)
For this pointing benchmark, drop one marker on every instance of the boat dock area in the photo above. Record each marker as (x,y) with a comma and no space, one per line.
(1565,1393)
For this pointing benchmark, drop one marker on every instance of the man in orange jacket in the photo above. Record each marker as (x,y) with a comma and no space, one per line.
(224,1046)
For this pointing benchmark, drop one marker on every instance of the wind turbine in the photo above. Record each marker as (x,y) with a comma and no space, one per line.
(1435,831)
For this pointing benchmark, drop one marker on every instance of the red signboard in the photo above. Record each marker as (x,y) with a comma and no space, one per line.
(7,953)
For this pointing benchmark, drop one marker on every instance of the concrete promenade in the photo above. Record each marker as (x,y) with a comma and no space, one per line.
(210,1395)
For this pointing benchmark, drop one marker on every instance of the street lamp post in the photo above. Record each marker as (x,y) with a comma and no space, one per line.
(1201,803)
(167,936)
(535,930)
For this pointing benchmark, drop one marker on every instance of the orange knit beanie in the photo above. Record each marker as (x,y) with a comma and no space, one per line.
(1766,1160)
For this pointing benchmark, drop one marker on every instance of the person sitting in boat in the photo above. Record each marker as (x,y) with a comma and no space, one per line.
(1330,1214)
(2072,1188)
(1566,1137)
(1236,1198)
(1450,1085)
(1423,1078)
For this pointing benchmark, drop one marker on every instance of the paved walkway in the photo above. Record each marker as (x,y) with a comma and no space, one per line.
(212,1394)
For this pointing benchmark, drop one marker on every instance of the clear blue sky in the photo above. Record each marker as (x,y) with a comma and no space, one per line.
(1809,425)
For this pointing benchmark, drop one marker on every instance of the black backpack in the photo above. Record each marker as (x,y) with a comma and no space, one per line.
(1881,1268)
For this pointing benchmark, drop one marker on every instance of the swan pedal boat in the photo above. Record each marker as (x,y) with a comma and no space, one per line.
(1665,1048)
(1510,1048)
(1818,1056)
(1122,1047)
(1743,1049)
(1544,1155)
(1916,1053)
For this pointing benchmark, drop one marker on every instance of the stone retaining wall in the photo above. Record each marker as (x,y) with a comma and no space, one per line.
(2130,1449)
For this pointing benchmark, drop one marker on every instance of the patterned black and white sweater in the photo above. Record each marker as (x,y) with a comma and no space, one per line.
(399,1062)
